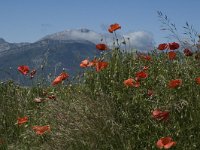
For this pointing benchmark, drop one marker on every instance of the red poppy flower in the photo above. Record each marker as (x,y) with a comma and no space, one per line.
(141,74)
(172,55)
(160,115)
(162,46)
(197,80)
(41,129)
(84,63)
(101,47)
(187,52)
(131,83)
(60,78)
(93,63)
(64,75)
(114,27)
(21,121)
(52,97)
(146,57)
(33,72)
(165,142)
(128,82)
(101,65)
(173,46)
(175,83)
(23,69)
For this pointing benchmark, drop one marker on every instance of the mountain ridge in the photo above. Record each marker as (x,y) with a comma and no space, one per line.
(53,54)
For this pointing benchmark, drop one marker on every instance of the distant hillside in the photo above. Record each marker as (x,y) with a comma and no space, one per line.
(53,54)
(63,49)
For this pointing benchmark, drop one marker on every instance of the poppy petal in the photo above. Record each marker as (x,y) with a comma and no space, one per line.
(162,46)
(187,52)
(197,80)
(165,142)
(23,69)
(114,27)
(172,55)
(169,145)
(101,47)
(21,121)
(101,65)
(175,83)
(60,78)
(173,46)
(41,129)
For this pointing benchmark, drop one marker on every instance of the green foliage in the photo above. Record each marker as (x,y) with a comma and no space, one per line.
(102,113)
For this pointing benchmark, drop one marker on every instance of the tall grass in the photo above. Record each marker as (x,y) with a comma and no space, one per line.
(102,113)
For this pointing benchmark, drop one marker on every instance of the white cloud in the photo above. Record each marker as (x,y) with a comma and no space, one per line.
(76,34)
(139,40)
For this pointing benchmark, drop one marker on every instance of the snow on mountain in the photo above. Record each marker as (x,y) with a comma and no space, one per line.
(137,40)
(76,34)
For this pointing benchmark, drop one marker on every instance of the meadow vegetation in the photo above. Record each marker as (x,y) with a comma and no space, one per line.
(123,100)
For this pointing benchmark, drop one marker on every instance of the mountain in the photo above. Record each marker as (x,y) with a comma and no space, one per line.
(2,41)
(53,54)
(4,46)
(76,34)
(65,49)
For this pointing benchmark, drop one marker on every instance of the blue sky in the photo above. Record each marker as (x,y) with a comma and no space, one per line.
(30,20)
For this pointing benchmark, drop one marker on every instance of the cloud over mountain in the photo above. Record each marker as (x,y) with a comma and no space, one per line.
(76,34)
(139,40)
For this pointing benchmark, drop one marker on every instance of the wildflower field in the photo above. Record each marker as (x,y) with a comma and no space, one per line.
(123,101)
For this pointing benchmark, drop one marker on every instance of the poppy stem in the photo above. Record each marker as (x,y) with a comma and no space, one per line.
(116,39)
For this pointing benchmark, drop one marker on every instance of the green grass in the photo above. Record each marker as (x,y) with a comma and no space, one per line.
(101,113)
